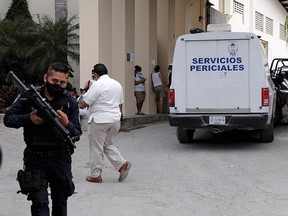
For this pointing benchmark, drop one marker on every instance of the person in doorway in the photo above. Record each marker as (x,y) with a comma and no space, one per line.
(89,83)
(73,93)
(169,75)
(159,88)
(105,100)
(84,112)
(47,159)
(139,90)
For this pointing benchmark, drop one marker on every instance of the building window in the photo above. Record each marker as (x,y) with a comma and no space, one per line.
(282,34)
(269,26)
(259,21)
(238,8)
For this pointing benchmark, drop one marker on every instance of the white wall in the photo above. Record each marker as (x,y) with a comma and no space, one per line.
(4,6)
(269,8)
(41,7)
(274,10)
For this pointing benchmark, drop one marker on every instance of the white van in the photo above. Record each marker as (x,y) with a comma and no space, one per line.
(221,81)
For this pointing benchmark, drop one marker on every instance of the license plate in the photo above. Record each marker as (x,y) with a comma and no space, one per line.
(217,120)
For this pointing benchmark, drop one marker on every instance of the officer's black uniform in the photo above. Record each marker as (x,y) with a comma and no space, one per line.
(46,153)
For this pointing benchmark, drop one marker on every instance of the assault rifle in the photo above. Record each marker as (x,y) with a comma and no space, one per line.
(44,109)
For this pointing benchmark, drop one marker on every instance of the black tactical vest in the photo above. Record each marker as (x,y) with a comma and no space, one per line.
(43,137)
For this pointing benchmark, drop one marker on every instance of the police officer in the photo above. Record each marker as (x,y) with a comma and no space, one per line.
(46,158)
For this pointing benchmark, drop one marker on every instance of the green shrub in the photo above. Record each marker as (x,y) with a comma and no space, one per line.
(7,96)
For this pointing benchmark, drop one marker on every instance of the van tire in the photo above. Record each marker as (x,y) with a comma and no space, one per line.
(267,133)
(184,135)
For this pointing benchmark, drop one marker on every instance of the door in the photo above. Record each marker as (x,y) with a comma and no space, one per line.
(217,75)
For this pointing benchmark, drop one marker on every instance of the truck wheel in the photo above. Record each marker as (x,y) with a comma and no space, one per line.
(267,134)
(184,135)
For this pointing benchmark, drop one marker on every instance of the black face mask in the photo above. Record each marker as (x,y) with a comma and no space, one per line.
(55,90)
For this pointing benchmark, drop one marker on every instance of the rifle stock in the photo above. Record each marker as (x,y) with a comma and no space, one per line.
(46,111)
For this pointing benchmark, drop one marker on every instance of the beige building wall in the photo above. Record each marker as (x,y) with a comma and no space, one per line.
(146,48)
(89,38)
(143,30)
(142,51)
(120,40)
(111,30)
(174,18)
(171,30)
(151,99)
(163,40)
(95,36)
(123,52)
(105,33)
(198,14)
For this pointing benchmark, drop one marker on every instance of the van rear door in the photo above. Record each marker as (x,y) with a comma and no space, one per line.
(217,75)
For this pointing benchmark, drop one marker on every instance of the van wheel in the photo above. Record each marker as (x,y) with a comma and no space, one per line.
(184,135)
(267,134)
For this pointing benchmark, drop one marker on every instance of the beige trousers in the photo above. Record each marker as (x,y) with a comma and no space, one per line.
(100,143)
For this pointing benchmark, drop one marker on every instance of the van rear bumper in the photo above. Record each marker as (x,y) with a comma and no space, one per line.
(232,121)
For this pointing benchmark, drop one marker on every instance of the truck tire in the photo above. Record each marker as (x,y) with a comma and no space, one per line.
(184,135)
(267,133)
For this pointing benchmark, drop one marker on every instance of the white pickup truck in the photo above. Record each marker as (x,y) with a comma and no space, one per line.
(221,81)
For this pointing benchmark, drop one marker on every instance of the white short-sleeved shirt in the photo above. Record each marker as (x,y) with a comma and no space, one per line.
(104,97)
(156,79)
(139,87)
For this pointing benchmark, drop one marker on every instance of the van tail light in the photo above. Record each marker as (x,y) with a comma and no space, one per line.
(265,96)
(172,98)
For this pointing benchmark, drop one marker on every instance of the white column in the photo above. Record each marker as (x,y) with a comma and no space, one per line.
(89,40)
(123,54)
(95,18)
(146,46)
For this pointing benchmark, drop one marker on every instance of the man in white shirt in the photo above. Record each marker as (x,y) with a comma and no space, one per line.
(105,100)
